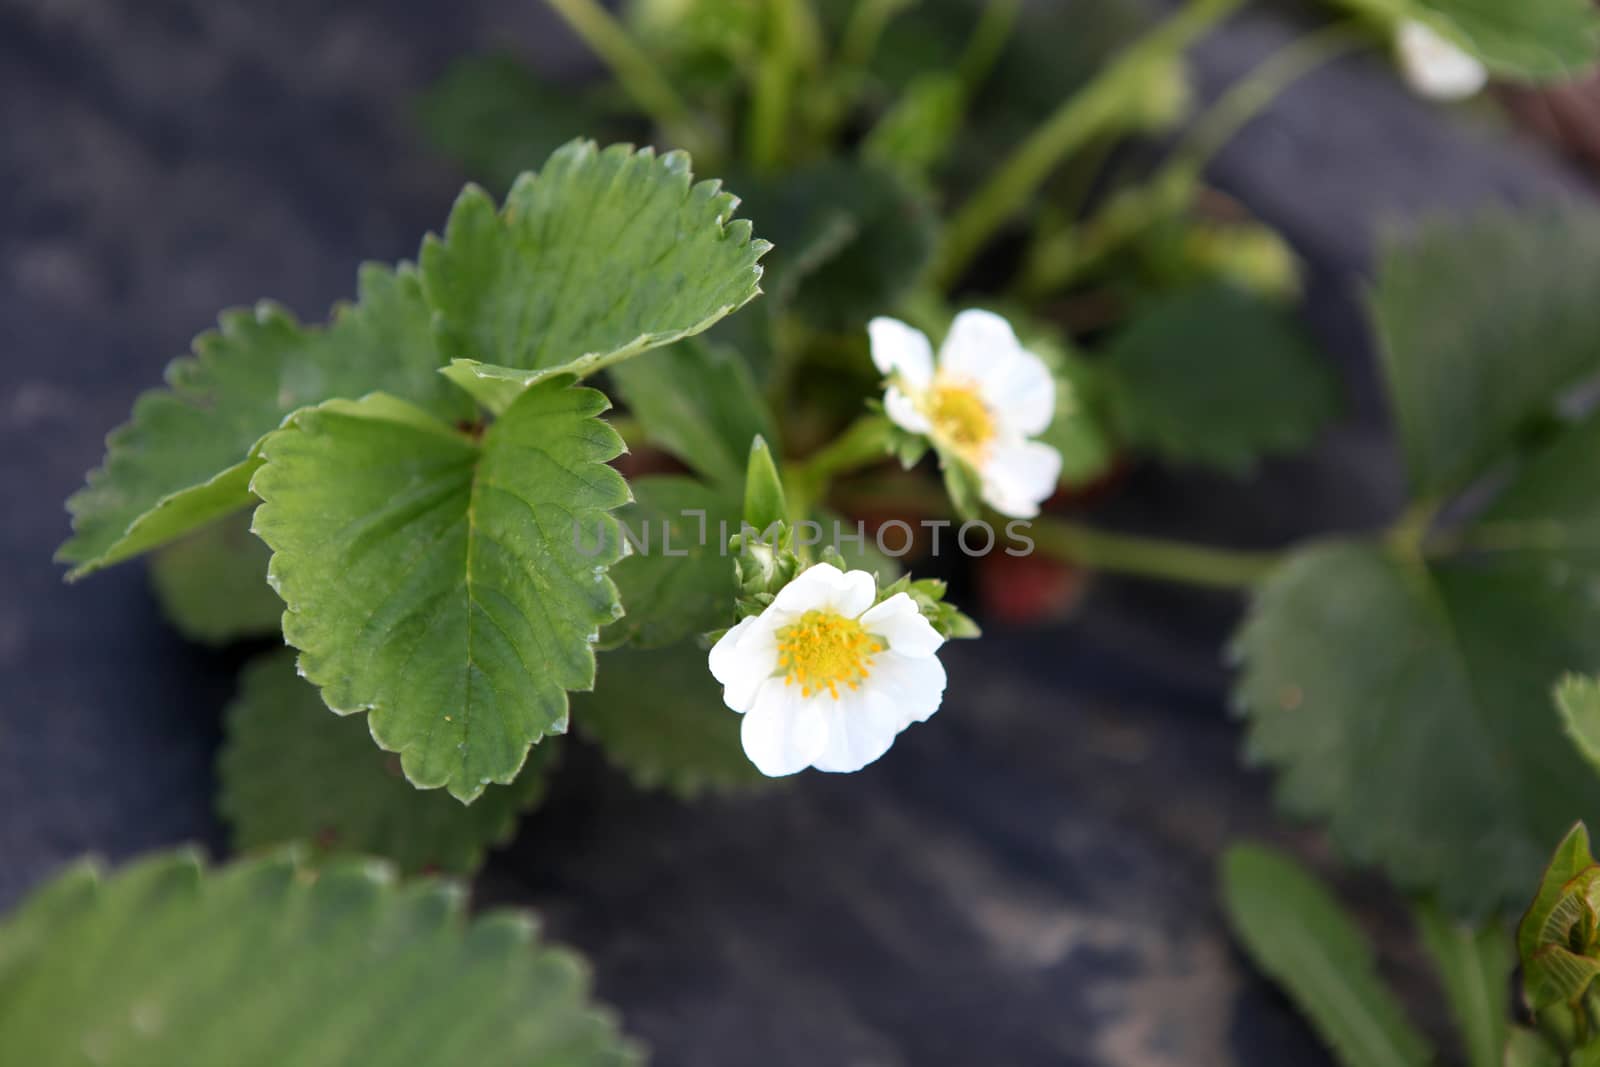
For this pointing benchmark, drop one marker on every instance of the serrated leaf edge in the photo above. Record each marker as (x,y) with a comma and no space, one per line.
(389,405)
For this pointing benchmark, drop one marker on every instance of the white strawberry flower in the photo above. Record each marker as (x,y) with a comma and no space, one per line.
(1436,67)
(982,403)
(824,677)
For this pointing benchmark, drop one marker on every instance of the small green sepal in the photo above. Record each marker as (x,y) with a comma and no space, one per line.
(764,499)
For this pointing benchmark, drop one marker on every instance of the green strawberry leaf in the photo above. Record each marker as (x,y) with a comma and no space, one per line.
(1218,377)
(1297,933)
(1484,326)
(1081,429)
(498,118)
(450,587)
(1578,701)
(267,962)
(212,583)
(187,456)
(598,257)
(700,403)
(660,717)
(677,578)
(496,387)
(1367,671)
(1533,40)
(291,770)
(850,240)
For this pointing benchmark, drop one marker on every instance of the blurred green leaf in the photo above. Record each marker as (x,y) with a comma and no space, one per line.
(1528,1049)
(1578,700)
(1300,937)
(1484,325)
(266,962)
(1080,430)
(677,579)
(706,47)
(291,770)
(700,403)
(497,118)
(1475,966)
(212,584)
(660,717)
(1367,672)
(1217,377)
(1052,52)
(1086,452)
(1533,40)
(849,239)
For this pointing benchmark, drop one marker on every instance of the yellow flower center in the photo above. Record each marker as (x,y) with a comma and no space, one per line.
(824,650)
(960,417)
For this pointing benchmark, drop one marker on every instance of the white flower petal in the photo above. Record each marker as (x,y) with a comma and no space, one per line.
(899,622)
(1018,476)
(824,587)
(737,673)
(914,684)
(862,724)
(901,350)
(743,658)
(783,732)
(975,341)
(903,411)
(808,591)
(860,589)
(1021,392)
(1436,67)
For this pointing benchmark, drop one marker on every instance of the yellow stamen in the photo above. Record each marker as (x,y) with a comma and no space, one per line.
(960,418)
(823,650)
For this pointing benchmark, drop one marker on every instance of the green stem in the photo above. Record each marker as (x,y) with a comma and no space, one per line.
(635,71)
(1249,97)
(1408,537)
(862,34)
(790,43)
(857,45)
(1100,106)
(1147,557)
(866,442)
(1061,258)
(988,40)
